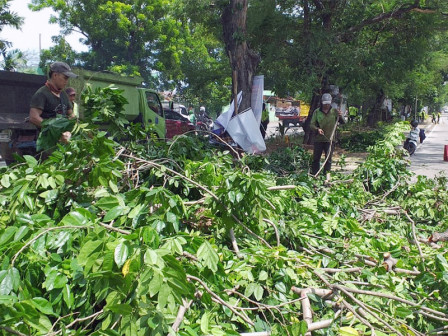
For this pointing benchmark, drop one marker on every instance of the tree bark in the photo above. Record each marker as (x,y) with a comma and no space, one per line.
(243,60)
(375,114)
(436,237)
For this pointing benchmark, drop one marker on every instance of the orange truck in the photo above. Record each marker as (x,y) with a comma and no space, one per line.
(291,112)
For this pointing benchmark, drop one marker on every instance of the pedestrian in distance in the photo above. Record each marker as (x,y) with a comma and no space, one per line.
(191,115)
(433,115)
(438,117)
(264,121)
(324,122)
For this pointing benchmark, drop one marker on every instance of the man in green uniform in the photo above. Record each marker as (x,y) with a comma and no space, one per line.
(323,122)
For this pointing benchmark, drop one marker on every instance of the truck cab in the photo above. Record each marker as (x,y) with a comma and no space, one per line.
(17,135)
(143,106)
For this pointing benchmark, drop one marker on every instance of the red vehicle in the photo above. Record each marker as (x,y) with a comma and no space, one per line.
(176,124)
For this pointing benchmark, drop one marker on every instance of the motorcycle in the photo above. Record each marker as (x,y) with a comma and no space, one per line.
(204,123)
(410,145)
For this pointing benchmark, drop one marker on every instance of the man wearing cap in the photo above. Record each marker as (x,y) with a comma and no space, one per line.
(323,122)
(51,99)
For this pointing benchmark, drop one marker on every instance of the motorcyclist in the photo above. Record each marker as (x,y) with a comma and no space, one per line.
(202,116)
(203,122)
(411,142)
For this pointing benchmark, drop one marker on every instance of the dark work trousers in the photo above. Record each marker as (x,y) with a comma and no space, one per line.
(320,147)
(263,128)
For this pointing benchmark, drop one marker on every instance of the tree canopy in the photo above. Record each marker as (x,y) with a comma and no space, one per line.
(7,18)
(370,50)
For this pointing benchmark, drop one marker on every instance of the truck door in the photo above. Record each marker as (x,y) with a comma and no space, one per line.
(154,112)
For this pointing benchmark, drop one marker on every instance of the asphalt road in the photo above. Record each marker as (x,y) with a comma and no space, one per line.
(428,158)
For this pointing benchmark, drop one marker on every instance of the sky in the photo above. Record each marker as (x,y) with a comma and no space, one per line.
(35,25)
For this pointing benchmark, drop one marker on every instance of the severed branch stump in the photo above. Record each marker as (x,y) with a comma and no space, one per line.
(437,236)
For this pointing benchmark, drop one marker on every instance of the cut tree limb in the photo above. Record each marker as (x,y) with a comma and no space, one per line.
(389,262)
(439,237)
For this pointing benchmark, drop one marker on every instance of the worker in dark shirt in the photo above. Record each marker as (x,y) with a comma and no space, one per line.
(51,99)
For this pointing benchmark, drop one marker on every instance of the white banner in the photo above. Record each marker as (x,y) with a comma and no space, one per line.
(257,97)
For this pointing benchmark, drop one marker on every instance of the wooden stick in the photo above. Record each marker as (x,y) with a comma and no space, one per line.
(181,313)
(235,244)
(277,235)
(285,187)
(416,240)
(235,90)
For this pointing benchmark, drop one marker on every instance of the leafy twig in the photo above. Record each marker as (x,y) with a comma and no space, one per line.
(159,166)
(13,260)
(219,300)
(416,240)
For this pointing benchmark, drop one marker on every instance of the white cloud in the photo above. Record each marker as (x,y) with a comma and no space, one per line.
(36,31)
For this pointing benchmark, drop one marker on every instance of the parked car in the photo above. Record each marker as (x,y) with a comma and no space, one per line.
(176,123)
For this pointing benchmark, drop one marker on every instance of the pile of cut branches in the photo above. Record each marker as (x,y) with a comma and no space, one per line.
(148,238)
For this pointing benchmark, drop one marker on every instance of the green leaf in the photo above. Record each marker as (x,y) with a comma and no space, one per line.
(263,276)
(208,256)
(68,296)
(121,254)
(87,250)
(5,181)
(162,298)
(43,305)
(114,213)
(75,218)
(205,323)
(8,300)
(7,235)
(107,203)
(258,292)
(6,285)
(60,239)
(299,328)
(28,202)
(113,186)
(348,331)
(42,324)
(32,162)
(403,312)
(136,211)
(155,284)
(123,308)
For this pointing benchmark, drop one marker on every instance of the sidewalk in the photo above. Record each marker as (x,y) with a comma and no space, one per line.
(428,158)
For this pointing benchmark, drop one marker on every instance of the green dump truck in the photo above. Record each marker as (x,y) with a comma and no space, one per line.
(17,135)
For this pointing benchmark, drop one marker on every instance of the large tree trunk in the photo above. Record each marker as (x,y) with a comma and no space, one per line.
(375,113)
(244,61)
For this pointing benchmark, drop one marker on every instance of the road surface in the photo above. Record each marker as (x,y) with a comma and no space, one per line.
(428,158)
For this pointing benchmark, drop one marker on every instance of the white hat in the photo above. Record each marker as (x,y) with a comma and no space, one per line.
(202,109)
(326,98)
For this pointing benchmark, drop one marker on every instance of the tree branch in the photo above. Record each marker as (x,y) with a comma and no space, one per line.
(348,34)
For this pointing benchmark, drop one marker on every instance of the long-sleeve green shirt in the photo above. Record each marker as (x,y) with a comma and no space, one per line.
(324,121)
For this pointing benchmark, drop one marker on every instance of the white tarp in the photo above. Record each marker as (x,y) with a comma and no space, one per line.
(225,117)
(244,128)
(245,131)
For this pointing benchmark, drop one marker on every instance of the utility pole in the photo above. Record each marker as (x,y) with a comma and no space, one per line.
(415,112)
